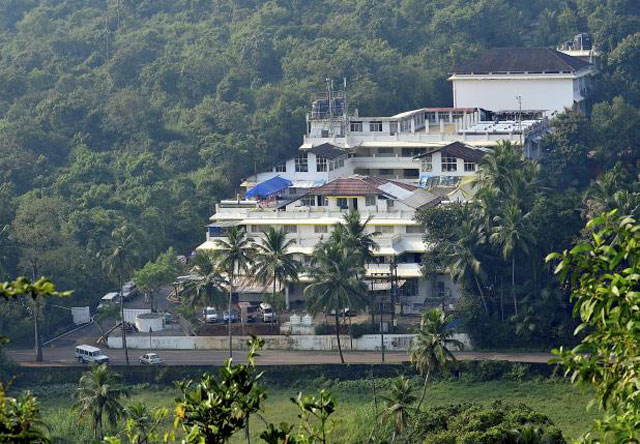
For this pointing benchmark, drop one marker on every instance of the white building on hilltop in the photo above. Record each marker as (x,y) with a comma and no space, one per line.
(539,81)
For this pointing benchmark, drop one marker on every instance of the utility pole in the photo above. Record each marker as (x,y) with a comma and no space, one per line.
(519,99)
(393,270)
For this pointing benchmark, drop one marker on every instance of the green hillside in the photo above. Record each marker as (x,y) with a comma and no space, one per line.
(146,112)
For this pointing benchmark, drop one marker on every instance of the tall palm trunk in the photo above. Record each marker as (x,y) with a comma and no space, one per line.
(484,301)
(35,306)
(424,390)
(513,283)
(338,336)
(229,312)
(124,332)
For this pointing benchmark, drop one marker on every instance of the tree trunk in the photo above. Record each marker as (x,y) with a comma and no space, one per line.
(338,336)
(246,432)
(501,300)
(513,283)
(424,390)
(484,301)
(37,348)
(229,319)
(124,333)
(36,333)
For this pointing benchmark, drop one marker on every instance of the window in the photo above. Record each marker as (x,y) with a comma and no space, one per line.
(390,203)
(410,152)
(342,203)
(375,127)
(385,152)
(431,116)
(289,229)
(341,162)
(411,173)
(405,125)
(259,229)
(414,229)
(385,229)
(386,172)
(449,163)
(301,163)
(308,201)
(322,201)
(427,163)
(331,166)
(370,201)
(469,166)
(356,127)
(324,133)
(321,164)
(320,229)
(281,167)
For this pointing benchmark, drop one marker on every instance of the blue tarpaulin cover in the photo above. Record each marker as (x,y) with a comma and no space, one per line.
(269,187)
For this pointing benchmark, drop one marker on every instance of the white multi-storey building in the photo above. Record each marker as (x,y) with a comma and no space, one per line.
(390,167)
(311,218)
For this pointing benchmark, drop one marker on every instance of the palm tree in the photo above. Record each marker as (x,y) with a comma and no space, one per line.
(98,393)
(205,290)
(236,255)
(337,275)
(398,403)
(430,348)
(273,261)
(512,232)
(352,233)
(464,265)
(142,420)
(120,261)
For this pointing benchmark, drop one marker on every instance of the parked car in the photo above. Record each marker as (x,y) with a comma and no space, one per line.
(88,353)
(248,311)
(109,298)
(150,359)
(129,290)
(266,312)
(210,315)
(234,316)
(345,312)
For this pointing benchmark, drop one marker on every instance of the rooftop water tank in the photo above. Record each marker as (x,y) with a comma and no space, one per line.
(307,320)
(294,319)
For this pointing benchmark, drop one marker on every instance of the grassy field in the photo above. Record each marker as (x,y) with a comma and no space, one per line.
(354,417)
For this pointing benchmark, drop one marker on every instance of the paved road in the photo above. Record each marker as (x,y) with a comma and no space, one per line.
(63,356)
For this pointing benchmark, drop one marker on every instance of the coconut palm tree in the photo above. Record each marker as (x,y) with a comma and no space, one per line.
(98,393)
(337,275)
(352,233)
(121,260)
(273,261)
(142,422)
(398,404)
(512,233)
(430,349)
(236,255)
(208,288)
(461,256)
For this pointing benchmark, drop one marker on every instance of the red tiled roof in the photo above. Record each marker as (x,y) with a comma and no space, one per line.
(347,186)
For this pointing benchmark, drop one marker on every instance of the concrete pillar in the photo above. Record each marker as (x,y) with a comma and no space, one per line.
(286,295)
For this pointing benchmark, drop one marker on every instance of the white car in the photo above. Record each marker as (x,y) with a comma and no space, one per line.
(150,359)
(88,353)
(267,312)
(210,315)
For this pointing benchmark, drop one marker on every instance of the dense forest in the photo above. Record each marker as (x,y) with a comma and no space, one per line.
(145,113)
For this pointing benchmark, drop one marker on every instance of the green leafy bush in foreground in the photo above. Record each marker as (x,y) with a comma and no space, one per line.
(470,423)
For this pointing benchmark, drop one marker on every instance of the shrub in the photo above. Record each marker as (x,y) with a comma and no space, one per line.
(471,423)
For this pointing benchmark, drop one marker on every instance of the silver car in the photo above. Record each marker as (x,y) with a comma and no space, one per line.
(150,359)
